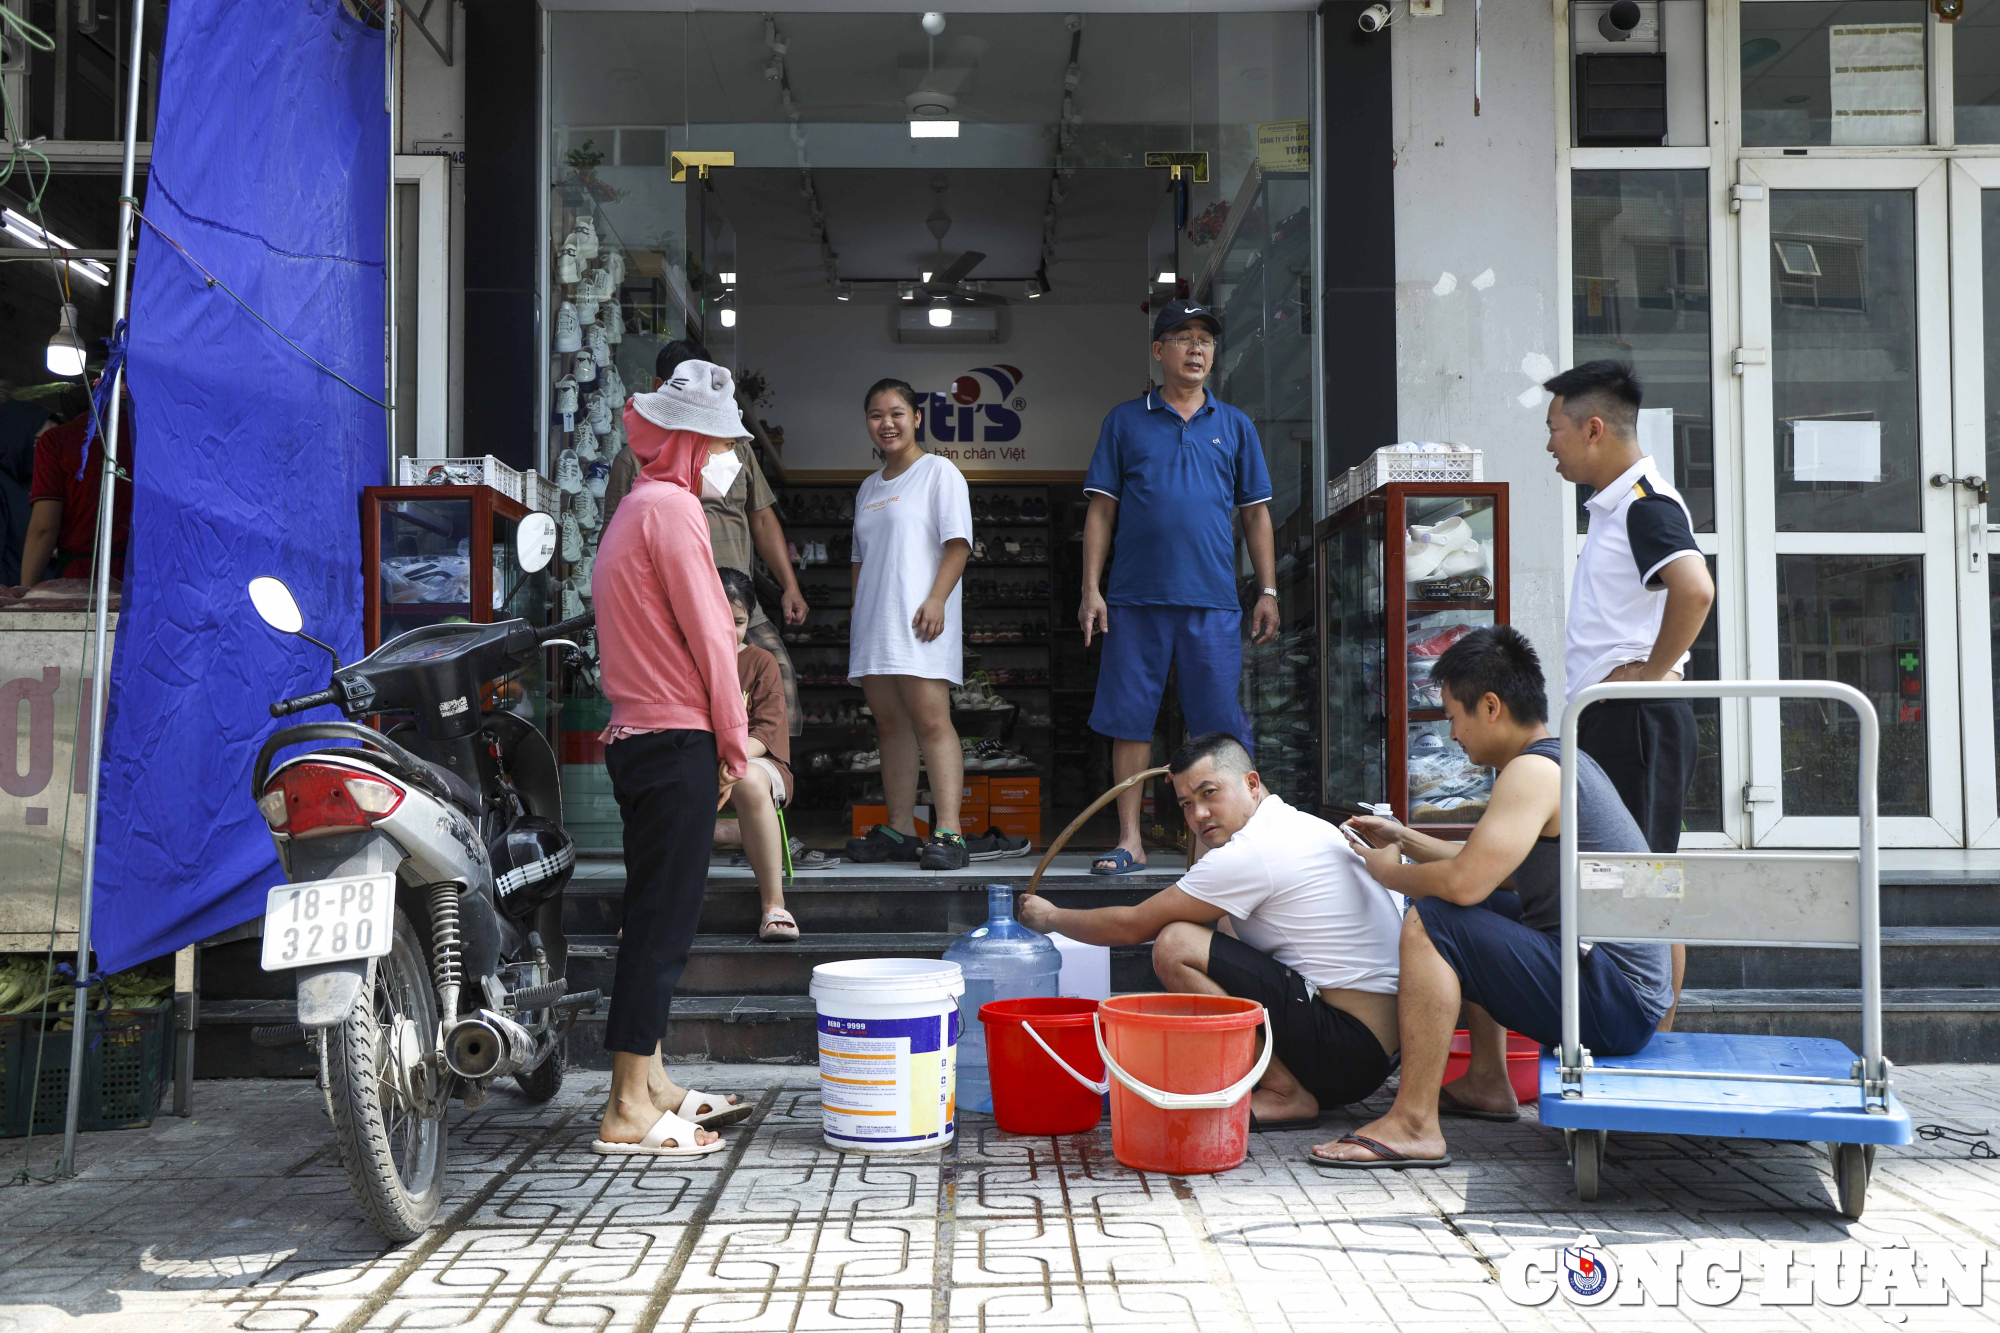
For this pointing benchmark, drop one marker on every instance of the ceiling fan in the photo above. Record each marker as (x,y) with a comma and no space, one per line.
(949,281)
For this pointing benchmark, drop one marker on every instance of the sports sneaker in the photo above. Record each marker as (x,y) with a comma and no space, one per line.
(569,333)
(612,317)
(588,515)
(597,480)
(945,851)
(572,539)
(883,843)
(572,604)
(584,370)
(600,413)
(566,401)
(586,569)
(568,270)
(614,264)
(598,344)
(587,450)
(569,471)
(586,308)
(581,586)
(586,237)
(610,382)
(993,845)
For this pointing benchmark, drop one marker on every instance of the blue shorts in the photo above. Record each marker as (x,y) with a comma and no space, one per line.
(1204,646)
(1514,973)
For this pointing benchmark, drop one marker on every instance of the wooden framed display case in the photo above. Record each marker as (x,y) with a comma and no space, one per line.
(1405,572)
(439,553)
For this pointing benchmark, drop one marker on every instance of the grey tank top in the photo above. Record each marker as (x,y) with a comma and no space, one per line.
(1603,824)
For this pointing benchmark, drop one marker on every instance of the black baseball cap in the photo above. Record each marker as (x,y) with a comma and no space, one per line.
(1176,313)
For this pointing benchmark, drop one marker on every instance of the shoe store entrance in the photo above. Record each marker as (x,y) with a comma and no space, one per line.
(989,208)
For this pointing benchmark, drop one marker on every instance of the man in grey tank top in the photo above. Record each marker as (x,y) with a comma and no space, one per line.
(1485,916)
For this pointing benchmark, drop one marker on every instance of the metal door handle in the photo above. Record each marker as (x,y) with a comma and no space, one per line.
(1977,485)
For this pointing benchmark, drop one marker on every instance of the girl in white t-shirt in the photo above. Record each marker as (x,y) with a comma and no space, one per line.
(912,534)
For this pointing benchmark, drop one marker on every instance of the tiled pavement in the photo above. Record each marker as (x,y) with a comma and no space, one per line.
(240,1219)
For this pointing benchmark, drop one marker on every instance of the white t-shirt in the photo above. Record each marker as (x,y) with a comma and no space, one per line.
(900,528)
(1296,891)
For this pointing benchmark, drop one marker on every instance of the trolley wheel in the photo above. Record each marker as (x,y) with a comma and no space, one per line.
(1852,1165)
(1586,1154)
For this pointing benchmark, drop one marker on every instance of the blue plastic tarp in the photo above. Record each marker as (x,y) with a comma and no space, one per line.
(270,167)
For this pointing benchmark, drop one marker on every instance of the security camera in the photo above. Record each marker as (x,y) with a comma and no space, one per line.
(934,23)
(1374,18)
(1616,23)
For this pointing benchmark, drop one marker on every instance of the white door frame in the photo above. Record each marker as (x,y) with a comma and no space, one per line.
(1970,176)
(1925,178)
(432,177)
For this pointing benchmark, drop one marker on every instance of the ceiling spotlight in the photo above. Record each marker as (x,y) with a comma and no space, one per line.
(933,129)
(1034,290)
(927,275)
(907,290)
(66,349)
(728,318)
(727,277)
(940,314)
(844,292)
(1166,278)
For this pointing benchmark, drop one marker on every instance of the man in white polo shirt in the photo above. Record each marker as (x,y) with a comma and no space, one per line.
(1303,930)
(1639,597)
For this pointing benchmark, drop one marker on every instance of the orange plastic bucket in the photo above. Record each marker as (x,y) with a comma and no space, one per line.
(1524,1063)
(1182,1068)
(1051,1086)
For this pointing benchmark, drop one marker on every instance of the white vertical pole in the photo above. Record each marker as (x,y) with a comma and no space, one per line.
(101,597)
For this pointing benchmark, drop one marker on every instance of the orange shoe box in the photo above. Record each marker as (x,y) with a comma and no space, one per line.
(1017,821)
(973,817)
(1014,791)
(868,816)
(976,789)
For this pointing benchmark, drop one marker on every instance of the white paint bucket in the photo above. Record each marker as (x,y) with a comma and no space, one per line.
(888,1052)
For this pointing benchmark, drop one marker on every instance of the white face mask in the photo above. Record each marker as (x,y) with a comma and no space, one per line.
(718,474)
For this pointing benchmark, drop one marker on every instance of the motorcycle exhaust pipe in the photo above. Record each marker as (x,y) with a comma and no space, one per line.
(487,1045)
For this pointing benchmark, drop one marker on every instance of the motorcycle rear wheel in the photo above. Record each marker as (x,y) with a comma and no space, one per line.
(394,1157)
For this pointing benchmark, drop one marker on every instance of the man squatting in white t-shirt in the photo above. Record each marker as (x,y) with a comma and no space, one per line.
(1277,908)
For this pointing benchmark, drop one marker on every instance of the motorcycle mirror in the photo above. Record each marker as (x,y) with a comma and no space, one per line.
(277,606)
(535,542)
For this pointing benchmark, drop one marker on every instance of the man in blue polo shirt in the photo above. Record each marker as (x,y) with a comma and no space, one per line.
(1170,472)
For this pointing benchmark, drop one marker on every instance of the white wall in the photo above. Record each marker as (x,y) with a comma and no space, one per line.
(1476,295)
(1076,362)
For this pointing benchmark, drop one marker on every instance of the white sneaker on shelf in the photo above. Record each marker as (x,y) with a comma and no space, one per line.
(566,395)
(602,287)
(614,264)
(584,368)
(614,383)
(586,450)
(569,471)
(568,269)
(581,586)
(588,515)
(597,479)
(569,333)
(600,414)
(572,605)
(586,307)
(586,570)
(586,237)
(572,539)
(599,345)
(613,319)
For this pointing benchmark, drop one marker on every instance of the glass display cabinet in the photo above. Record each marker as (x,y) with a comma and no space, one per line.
(1405,572)
(434,554)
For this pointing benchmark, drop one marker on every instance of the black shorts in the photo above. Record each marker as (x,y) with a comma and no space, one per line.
(1647,747)
(1328,1050)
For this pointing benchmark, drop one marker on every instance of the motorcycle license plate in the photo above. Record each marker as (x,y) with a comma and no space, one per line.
(328,921)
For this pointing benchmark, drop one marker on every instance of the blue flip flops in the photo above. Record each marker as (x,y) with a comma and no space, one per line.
(1121,863)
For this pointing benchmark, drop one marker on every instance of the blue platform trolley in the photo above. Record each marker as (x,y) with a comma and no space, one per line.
(1799,1089)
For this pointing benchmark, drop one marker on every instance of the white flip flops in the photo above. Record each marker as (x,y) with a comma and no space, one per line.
(722,1112)
(668,1126)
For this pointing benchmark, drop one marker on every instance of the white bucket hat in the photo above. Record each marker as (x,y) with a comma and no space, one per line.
(701,397)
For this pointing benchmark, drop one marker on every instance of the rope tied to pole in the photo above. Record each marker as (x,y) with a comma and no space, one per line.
(100,396)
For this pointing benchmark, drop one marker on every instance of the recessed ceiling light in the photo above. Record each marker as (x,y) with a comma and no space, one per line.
(728,277)
(1166,276)
(844,292)
(927,275)
(933,129)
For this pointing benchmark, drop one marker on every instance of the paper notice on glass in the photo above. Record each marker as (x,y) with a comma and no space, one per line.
(1878,83)
(1836,451)
(1656,438)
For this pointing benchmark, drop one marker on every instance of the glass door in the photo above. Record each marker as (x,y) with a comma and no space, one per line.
(712,273)
(1851,561)
(1975,295)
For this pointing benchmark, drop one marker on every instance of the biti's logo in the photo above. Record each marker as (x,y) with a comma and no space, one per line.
(980,407)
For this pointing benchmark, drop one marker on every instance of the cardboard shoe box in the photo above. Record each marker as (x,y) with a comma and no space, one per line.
(1017,821)
(1014,791)
(868,816)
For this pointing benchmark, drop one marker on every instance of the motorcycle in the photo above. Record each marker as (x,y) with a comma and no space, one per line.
(422,917)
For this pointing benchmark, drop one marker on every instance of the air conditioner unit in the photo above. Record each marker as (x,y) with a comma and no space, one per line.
(969,324)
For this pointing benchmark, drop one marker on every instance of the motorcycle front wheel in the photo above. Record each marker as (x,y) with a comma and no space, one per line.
(393,1155)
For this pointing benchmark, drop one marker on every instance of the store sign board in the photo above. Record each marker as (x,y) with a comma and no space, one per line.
(1282,145)
(44,774)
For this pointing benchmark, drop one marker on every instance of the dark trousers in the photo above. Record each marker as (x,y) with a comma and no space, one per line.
(665,783)
(1647,748)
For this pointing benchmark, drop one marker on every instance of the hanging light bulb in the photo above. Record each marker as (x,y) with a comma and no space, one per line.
(728,318)
(940,314)
(66,349)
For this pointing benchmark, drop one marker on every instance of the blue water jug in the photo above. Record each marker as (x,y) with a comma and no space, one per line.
(1002,960)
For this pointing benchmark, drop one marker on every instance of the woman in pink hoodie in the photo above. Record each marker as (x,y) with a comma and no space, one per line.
(677,742)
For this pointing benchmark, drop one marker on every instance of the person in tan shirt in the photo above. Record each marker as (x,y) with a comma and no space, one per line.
(767,782)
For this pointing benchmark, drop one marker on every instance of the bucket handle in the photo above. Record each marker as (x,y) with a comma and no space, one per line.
(1100,1088)
(1188,1101)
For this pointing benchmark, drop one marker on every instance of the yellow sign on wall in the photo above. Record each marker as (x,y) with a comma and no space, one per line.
(1281,145)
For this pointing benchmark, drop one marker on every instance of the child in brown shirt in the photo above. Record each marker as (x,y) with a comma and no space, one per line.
(767,781)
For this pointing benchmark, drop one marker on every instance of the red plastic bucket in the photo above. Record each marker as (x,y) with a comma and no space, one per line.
(1524,1063)
(1032,1093)
(1183,1067)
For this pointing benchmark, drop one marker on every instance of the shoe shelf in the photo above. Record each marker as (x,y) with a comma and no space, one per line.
(1384,736)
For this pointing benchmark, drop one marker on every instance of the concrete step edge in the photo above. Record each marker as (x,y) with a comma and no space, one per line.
(1912,1000)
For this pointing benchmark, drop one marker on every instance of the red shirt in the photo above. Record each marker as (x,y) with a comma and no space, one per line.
(58,454)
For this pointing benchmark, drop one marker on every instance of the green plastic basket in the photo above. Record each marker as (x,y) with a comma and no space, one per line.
(128,1063)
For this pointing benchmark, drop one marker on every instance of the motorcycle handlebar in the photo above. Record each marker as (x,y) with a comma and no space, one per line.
(305,701)
(563,629)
